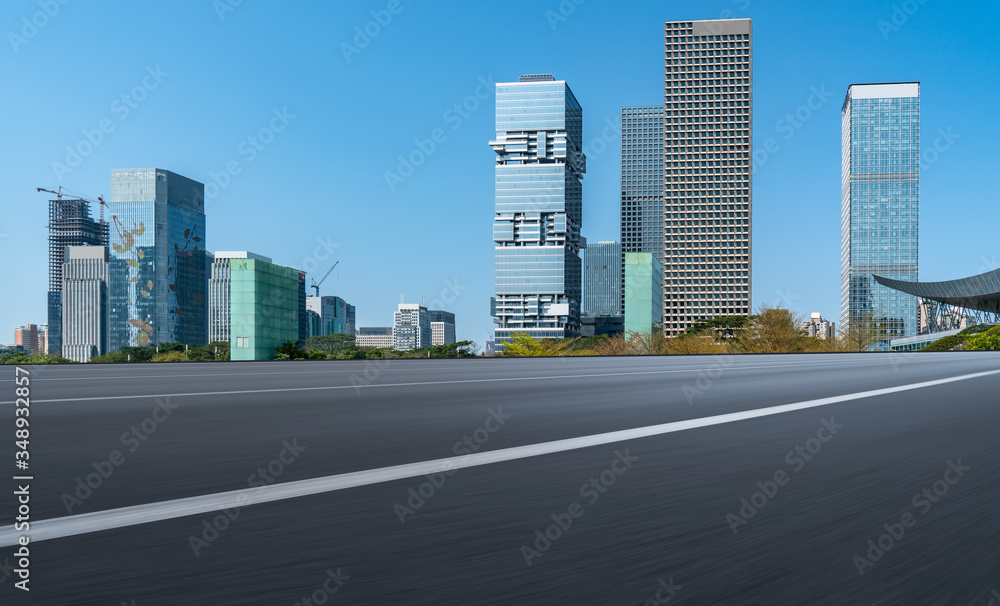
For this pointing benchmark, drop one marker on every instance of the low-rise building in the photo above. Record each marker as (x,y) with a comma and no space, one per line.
(374,336)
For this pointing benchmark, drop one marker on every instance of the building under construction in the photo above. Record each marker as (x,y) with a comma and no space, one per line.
(70,224)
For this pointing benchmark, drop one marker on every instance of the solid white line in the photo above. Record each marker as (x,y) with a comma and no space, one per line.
(410,384)
(154,512)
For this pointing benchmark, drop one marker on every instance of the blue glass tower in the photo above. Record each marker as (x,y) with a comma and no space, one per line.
(642,226)
(159,269)
(602,288)
(880,203)
(539,208)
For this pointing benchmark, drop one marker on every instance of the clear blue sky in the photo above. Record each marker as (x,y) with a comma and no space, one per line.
(323,177)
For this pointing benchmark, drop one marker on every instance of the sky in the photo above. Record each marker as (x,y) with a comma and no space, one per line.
(298,116)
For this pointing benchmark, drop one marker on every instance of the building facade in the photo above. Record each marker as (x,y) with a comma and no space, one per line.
(880,205)
(707,166)
(538,209)
(159,267)
(643,293)
(70,224)
(602,265)
(28,337)
(411,328)
(642,228)
(85,309)
(442,327)
(374,336)
(818,327)
(330,315)
(264,307)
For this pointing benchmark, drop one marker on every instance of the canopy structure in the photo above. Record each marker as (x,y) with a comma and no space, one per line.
(976,293)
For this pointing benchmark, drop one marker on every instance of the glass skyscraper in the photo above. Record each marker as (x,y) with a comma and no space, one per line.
(538,208)
(159,269)
(880,203)
(642,185)
(707,165)
(602,265)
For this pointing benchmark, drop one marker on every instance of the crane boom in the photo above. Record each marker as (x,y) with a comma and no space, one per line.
(316,284)
(60,193)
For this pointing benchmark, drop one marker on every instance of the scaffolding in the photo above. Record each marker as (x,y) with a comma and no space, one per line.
(70,224)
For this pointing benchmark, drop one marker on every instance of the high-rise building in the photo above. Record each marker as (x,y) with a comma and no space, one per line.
(707,165)
(442,327)
(820,328)
(219,291)
(880,205)
(331,316)
(85,310)
(642,226)
(539,208)
(602,279)
(265,308)
(374,336)
(411,327)
(159,267)
(70,224)
(643,293)
(27,337)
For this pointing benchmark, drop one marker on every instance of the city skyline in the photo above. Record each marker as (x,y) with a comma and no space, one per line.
(789,170)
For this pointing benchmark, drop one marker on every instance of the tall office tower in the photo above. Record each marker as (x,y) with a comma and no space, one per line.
(539,208)
(69,225)
(707,166)
(333,315)
(411,327)
(442,327)
(601,279)
(880,203)
(642,186)
(159,268)
(85,316)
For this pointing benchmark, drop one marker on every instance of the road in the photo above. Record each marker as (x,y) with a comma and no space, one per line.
(868,479)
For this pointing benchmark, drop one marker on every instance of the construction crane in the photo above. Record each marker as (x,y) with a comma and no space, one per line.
(316,284)
(60,193)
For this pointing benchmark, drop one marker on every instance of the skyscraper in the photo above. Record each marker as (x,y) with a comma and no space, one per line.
(880,203)
(411,327)
(642,227)
(539,208)
(602,263)
(707,164)
(85,303)
(333,315)
(442,327)
(70,224)
(159,268)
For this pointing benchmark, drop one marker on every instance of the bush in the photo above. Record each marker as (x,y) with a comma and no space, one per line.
(945,344)
(987,341)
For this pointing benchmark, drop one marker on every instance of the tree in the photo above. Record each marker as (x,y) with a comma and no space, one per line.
(862,331)
(330,345)
(289,350)
(721,328)
(523,344)
(772,330)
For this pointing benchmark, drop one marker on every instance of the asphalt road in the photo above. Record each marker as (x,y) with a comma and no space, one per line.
(535,503)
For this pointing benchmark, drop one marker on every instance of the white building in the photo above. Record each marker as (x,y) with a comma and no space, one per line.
(442,327)
(411,327)
(819,328)
(85,309)
(374,336)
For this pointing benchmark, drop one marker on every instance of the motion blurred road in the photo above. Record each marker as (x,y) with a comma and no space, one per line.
(884,498)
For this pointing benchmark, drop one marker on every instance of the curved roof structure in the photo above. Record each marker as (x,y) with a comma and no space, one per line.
(980,292)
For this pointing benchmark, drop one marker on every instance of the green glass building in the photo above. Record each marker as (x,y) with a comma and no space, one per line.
(643,292)
(264,304)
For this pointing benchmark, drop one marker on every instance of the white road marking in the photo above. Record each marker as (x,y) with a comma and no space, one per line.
(154,512)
